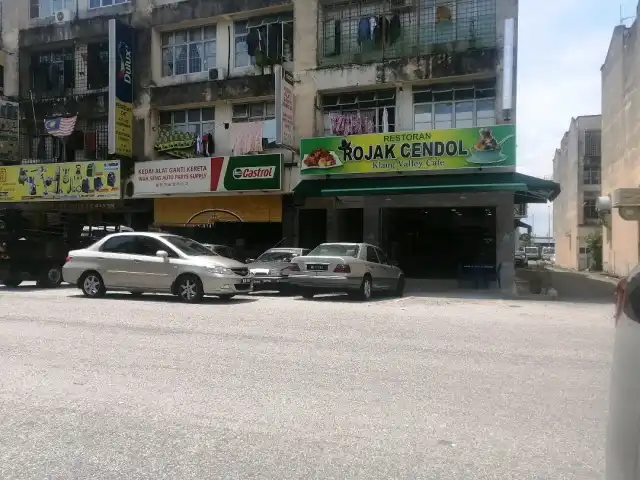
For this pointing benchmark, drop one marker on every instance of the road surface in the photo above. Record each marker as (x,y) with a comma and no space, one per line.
(282,388)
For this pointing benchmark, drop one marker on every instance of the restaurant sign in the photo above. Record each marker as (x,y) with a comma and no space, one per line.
(416,151)
(243,173)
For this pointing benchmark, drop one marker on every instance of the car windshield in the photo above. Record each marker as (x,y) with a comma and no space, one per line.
(189,247)
(276,256)
(335,250)
(531,249)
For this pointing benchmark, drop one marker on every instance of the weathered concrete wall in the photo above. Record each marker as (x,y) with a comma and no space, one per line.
(569,230)
(621,142)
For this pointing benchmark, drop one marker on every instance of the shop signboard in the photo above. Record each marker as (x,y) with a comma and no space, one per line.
(244,173)
(121,68)
(416,151)
(284,107)
(60,181)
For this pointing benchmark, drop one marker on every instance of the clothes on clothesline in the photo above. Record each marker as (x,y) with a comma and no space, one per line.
(247,137)
(380,29)
(352,123)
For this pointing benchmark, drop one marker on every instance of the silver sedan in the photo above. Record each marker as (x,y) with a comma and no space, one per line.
(359,269)
(141,262)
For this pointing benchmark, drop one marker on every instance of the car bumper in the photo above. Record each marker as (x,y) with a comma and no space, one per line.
(226,285)
(71,275)
(336,283)
(269,283)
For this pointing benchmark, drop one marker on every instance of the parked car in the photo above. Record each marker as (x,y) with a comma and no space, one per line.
(224,251)
(623,434)
(358,269)
(532,253)
(141,262)
(271,269)
(547,254)
(520,259)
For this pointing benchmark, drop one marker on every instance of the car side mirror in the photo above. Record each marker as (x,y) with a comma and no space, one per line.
(249,260)
(162,254)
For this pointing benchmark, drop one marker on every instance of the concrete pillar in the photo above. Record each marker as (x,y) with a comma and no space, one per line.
(333,234)
(505,243)
(371,223)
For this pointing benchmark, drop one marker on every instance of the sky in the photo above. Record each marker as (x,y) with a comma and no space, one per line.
(561,48)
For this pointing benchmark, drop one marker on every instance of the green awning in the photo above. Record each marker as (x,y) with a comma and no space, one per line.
(527,189)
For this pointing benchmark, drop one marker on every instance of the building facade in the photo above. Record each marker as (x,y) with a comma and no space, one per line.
(620,143)
(281,121)
(577,167)
(381,87)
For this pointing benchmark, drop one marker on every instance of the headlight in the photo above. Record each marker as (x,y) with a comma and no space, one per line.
(219,270)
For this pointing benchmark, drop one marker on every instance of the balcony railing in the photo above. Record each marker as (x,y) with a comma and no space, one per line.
(361,31)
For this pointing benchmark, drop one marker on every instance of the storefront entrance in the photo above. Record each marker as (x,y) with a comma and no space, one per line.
(439,242)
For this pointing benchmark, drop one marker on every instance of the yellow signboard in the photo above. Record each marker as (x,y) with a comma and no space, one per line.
(60,181)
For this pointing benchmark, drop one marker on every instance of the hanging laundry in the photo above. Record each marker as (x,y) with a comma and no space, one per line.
(199,150)
(364,30)
(209,146)
(274,41)
(247,137)
(395,28)
(381,31)
(372,26)
(253,41)
(385,121)
(352,123)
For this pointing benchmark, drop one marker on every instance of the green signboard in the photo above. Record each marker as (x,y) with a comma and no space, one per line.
(425,150)
(247,173)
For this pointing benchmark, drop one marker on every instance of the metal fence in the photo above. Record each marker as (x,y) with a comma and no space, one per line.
(361,31)
(71,81)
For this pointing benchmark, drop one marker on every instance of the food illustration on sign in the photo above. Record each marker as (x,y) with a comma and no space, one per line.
(321,158)
(487,149)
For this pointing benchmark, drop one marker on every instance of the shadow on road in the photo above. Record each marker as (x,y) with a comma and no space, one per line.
(169,298)
(579,288)
(32,288)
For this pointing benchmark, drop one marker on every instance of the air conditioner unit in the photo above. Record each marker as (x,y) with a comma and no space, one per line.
(626,197)
(217,73)
(62,16)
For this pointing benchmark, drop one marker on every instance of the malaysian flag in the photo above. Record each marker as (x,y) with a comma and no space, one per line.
(61,126)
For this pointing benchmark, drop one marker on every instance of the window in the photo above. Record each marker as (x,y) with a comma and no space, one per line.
(381,255)
(589,210)
(253,112)
(359,112)
(188,246)
(97,65)
(276,32)
(53,71)
(591,170)
(119,244)
(371,255)
(46,8)
(188,51)
(199,121)
(335,250)
(454,106)
(258,112)
(149,247)
(105,3)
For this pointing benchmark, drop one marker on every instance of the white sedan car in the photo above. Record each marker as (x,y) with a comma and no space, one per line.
(141,262)
(358,269)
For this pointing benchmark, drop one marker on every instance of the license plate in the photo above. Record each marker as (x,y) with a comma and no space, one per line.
(245,280)
(317,268)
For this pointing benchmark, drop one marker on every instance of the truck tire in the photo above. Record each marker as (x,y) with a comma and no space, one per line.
(11,281)
(51,277)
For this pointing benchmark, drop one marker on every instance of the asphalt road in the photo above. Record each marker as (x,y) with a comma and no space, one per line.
(280,388)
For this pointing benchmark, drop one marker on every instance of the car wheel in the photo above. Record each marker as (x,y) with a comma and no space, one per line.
(50,278)
(12,281)
(225,298)
(308,294)
(189,289)
(92,285)
(366,288)
(399,291)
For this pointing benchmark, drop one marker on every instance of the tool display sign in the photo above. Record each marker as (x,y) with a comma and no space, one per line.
(60,181)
